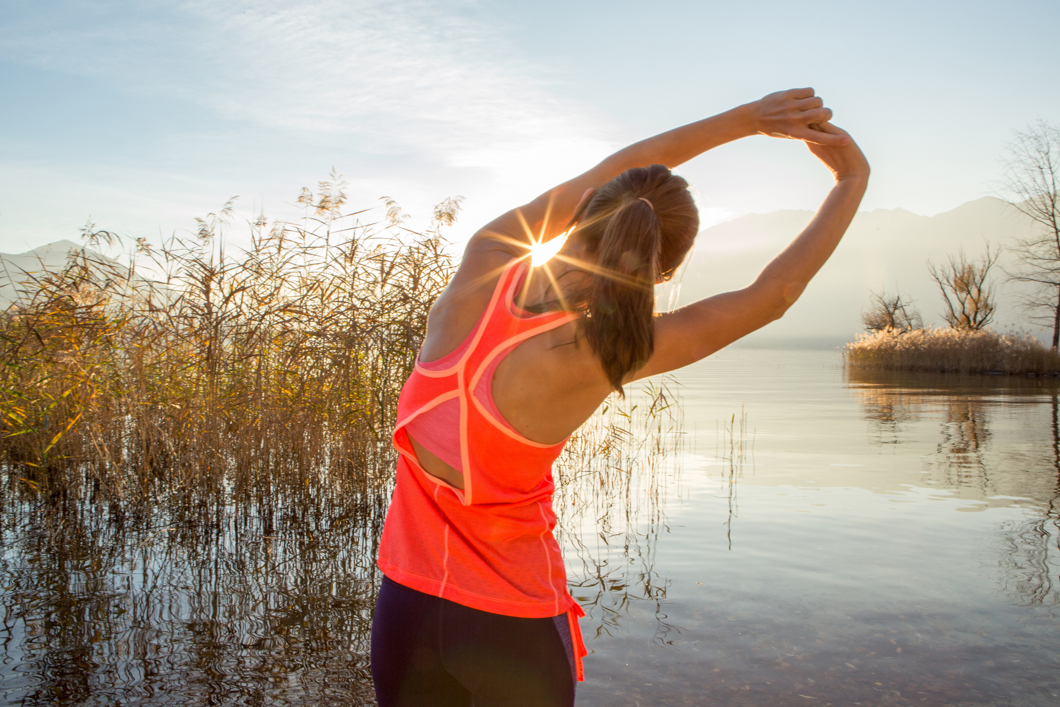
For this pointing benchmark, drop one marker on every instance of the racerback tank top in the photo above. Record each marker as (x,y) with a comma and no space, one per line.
(490,545)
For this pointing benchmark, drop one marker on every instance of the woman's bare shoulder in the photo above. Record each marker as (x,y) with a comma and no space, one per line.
(454,314)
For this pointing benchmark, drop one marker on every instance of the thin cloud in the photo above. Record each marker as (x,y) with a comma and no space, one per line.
(400,75)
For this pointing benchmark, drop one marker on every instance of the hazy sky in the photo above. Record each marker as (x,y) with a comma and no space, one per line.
(142,115)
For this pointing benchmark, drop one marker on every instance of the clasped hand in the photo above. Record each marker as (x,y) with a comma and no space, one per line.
(798,114)
(794,114)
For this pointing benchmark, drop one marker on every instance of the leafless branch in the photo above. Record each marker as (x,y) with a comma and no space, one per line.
(1032,175)
(891,312)
(963,283)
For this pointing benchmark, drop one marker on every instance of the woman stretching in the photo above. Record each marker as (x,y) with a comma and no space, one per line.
(474,607)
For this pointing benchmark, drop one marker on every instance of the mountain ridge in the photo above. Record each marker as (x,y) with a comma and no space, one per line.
(883,250)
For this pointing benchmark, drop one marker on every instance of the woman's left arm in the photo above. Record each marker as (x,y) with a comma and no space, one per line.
(695,331)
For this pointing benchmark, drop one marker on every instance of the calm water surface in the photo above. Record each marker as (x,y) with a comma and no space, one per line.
(885,540)
(788,536)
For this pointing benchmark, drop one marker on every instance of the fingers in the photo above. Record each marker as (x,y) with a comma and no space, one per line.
(809,103)
(825,134)
(831,129)
(811,108)
(820,115)
(845,160)
(819,138)
(799,113)
(812,113)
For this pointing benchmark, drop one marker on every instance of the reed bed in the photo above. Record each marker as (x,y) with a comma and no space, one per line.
(951,350)
(197,373)
(263,603)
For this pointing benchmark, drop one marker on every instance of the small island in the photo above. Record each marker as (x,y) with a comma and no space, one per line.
(897,340)
(951,350)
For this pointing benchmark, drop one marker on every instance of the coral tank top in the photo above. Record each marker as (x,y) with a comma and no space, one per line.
(489,546)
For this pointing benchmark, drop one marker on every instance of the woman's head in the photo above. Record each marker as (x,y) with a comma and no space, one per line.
(632,233)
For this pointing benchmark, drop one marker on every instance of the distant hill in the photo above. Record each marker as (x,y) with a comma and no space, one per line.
(22,268)
(883,249)
(16,269)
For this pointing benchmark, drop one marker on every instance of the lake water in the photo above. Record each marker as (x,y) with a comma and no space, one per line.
(886,540)
(789,535)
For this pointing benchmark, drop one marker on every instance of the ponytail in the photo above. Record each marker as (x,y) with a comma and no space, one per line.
(634,231)
(620,302)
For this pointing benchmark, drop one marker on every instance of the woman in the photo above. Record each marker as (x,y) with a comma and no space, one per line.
(474,607)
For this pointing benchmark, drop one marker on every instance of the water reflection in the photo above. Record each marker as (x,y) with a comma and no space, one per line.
(223,605)
(1024,468)
(1032,547)
(964,437)
(825,559)
(616,482)
(1031,554)
(966,410)
(857,576)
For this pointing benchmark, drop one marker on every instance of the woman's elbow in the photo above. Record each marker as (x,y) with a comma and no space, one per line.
(782,299)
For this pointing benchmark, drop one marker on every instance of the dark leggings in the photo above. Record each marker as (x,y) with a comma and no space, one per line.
(433,652)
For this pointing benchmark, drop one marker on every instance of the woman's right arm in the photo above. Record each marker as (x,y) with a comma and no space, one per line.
(694,332)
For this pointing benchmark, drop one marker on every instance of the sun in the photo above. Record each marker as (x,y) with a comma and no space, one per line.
(541,253)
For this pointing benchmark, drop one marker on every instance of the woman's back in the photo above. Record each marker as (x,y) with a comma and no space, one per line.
(545,386)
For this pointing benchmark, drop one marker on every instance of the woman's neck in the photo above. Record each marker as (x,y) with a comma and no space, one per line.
(556,281)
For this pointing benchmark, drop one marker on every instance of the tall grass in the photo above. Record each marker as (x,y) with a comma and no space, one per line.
(262,372)
(943,350)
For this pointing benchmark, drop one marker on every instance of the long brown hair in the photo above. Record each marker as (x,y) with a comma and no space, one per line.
(635,231)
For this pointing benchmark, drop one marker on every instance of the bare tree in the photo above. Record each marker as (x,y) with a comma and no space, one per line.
(969,299)
(893,312)
(1032,173)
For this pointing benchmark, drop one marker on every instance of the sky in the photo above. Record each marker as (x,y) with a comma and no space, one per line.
(141,116)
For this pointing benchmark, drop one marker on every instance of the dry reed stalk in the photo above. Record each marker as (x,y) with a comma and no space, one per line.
(613,480)
(945,350)
(733,451)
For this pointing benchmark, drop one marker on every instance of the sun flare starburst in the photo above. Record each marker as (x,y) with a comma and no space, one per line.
(541,253)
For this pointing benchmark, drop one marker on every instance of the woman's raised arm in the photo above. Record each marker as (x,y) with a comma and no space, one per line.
(694,332)
(790,114)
